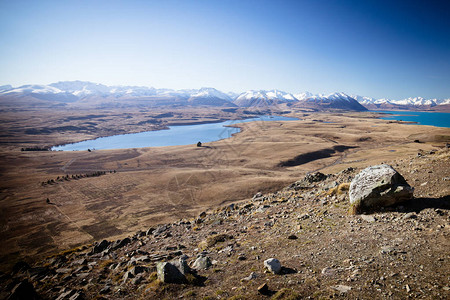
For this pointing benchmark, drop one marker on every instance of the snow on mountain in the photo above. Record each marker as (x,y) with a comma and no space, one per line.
(233,95)
(334,101)
(333,97)
(280,95)
(210,97)
(33,89)
(82,88)
(412,101)
(70,91)
(303,96)
(175,93)
(5,87)
(443,101)
(43,92)
(132,91)
(416,101)
(263,98)
(210,93)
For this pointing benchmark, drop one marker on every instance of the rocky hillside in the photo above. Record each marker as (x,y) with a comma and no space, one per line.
(297,243)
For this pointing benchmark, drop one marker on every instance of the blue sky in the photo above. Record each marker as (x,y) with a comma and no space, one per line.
(392,49)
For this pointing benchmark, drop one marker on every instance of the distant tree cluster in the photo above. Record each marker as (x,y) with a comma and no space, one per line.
(75,177)
(36,148)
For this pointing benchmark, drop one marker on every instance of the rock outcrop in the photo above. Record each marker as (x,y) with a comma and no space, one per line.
(376,187)
(173,272)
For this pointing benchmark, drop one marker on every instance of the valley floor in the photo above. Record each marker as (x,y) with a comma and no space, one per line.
(398,253)
(150,186)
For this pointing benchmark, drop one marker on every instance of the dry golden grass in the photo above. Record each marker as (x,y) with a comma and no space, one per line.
(164,184)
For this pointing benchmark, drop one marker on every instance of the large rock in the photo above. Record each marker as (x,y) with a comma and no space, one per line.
(172,272)
(376,187)
(99,247)
(202,263)
(120,243)
(273,265)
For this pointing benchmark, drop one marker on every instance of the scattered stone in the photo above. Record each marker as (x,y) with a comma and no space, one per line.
(99,247)
(128,275)
(20,266)
(160,229)
(202,263)
(137,280)
(409,216)
(24,290)
(368,218)
(105,290)
(292,237)
(342,288)
(328,271)
(137,270)
(120,243)
(388,250)
(315,177)
(263,289)
(63,271)
(150,231)
(304,216)
(65,295)
(252,275)
(273,265)
(38,272)
(77,296)
(376,187)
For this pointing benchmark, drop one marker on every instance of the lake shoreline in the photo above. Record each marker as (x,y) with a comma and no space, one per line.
(163,140)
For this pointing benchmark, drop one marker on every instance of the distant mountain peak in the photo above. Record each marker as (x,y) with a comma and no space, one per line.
(72,91)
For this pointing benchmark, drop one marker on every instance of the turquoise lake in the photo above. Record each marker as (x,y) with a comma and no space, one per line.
(174,136)
(437,119)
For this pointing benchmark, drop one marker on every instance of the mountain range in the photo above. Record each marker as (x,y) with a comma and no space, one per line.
(66,92)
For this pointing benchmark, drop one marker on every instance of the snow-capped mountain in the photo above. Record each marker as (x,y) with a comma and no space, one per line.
(71,91)
(33,89)
(210,96)
(408,102)
(82,88)
(263,98)
(94,93)
(303,96)
(5,87)
(43,92)
(335,101)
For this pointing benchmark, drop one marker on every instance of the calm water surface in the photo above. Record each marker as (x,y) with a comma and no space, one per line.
(437,119)
(174,136)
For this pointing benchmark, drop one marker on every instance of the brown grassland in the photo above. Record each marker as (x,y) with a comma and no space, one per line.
(163,184)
